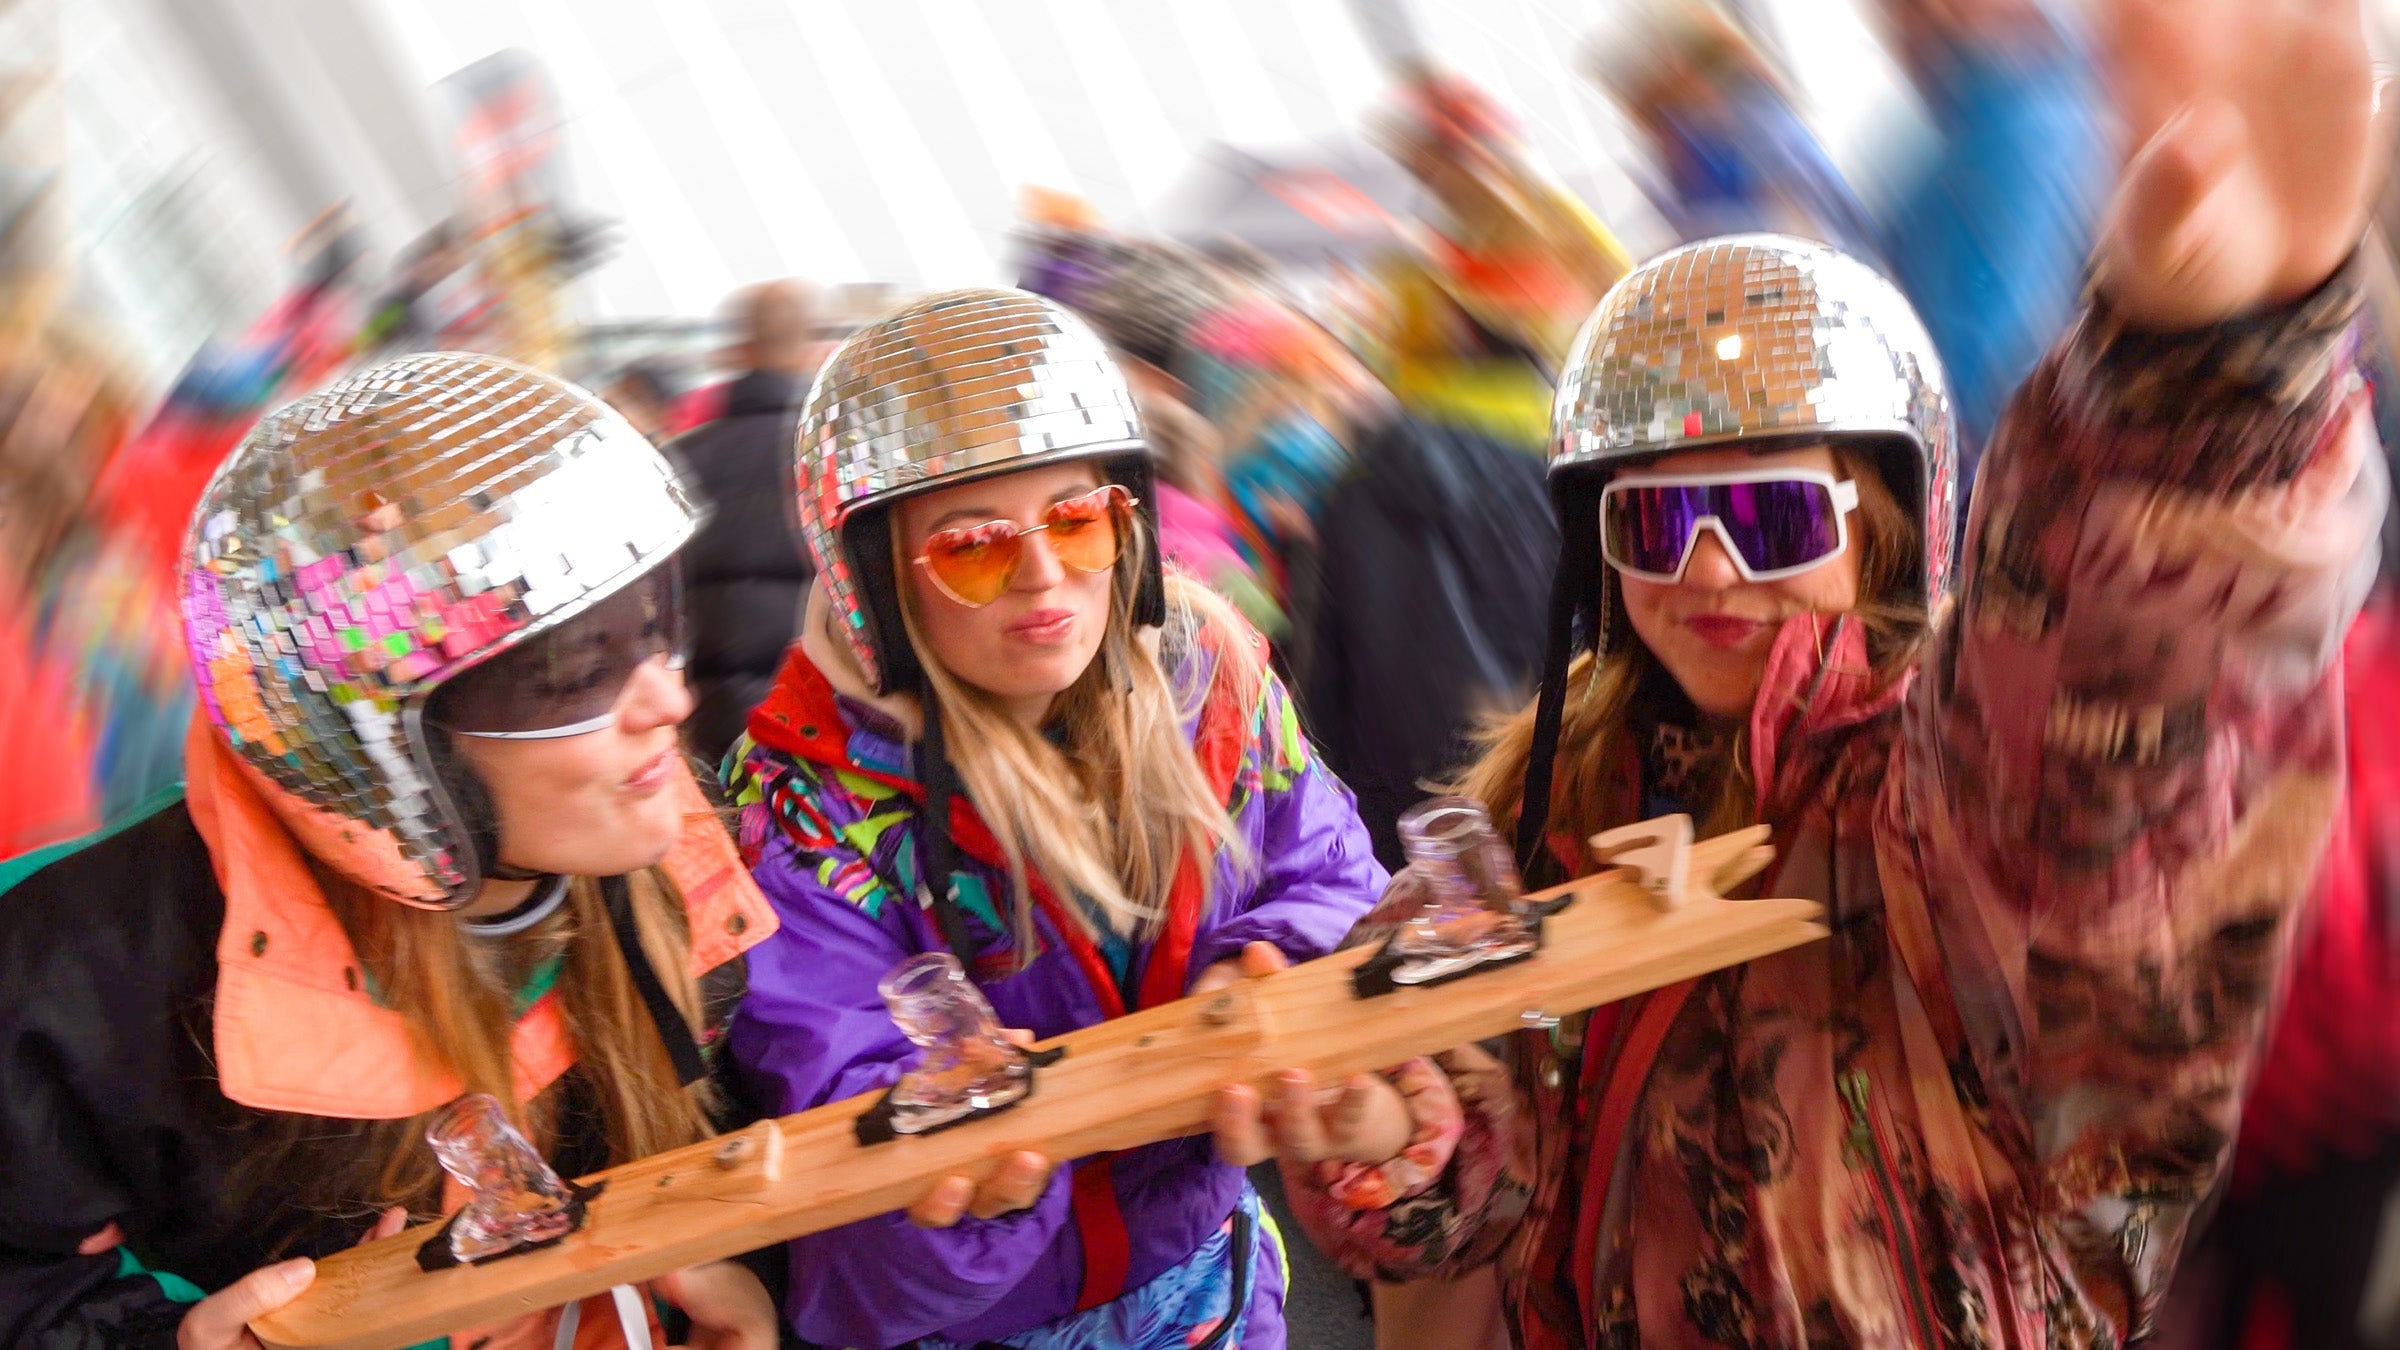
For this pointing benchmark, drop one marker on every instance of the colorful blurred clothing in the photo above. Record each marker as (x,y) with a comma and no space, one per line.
(1514,249)
(109,620)
(1274,386)
(1436,360)
(47,793)
(1988,238)
(1506,400)
(101,619)
(1755,165)
(1196,536)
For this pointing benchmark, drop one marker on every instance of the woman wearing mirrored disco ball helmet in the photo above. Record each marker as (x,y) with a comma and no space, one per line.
(436,838)
(2063,827)
(998,687)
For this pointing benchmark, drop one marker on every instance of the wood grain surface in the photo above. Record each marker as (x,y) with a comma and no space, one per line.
(1148,1076)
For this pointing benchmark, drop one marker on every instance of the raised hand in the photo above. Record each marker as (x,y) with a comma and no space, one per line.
(2251,127)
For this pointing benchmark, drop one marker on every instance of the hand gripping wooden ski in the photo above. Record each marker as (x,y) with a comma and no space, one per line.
(1656,917)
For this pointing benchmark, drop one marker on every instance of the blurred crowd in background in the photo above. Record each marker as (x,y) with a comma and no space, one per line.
(1345,357)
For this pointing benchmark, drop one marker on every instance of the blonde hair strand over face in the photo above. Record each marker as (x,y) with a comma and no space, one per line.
(1110,808)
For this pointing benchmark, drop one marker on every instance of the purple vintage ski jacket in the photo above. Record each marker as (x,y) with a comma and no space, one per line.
(828,823)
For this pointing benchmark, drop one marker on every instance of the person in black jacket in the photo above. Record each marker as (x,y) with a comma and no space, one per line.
(747,574)
(1435,550)
(437,838)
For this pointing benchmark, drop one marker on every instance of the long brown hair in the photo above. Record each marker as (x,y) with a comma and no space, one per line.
(1592,749)
(1108,808)
(458,995)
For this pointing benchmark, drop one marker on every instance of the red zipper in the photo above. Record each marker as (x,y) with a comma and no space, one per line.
(1867,1150)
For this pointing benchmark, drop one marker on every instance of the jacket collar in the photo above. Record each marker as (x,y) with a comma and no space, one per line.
(295,1026)
(823,712)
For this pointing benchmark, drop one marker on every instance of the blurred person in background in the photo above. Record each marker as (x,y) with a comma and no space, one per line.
(108,606)
(2066,831)
(1009,733)
(1282,395)
(101,502)
(1435,548)
(1731,151)
(1448,368)
(1512,245)
(65,408)
(1469,313)
(433,841)
(1987,232)
(745,573)
(643,393)
(1193,529)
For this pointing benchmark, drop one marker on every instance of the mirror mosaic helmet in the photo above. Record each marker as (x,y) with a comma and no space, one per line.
(368,543)
(1756,338)
(1744,339)
(958,386)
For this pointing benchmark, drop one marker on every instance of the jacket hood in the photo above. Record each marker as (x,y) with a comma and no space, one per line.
(296,1026)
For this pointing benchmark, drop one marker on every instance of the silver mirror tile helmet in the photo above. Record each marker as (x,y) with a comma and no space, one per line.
(366,544)
(1740,339)
(957,386)
(1755,337)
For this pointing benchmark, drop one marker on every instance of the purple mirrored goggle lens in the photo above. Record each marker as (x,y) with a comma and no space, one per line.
(1774,527)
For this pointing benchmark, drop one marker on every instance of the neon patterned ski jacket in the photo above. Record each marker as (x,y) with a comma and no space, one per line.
(829,806)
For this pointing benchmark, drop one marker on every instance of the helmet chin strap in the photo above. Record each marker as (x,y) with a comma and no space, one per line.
(1578,573)
(1533,808)
(937,853)
(500,871)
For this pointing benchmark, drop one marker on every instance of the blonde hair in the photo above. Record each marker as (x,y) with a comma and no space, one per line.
(1594,751)
(1108,810)
(458,994)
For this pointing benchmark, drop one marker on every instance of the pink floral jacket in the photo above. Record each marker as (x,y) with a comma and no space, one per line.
(2063,865)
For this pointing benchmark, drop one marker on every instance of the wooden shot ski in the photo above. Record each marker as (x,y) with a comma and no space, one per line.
(1656,918)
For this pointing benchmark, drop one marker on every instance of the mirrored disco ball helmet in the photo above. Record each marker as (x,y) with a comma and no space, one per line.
(369,543)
